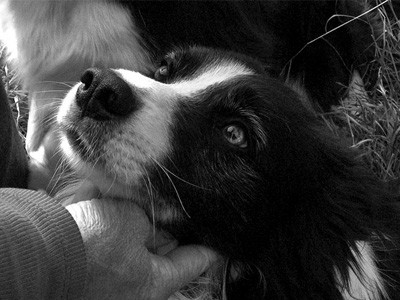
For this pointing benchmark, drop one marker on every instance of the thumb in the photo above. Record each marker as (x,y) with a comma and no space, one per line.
(182,265)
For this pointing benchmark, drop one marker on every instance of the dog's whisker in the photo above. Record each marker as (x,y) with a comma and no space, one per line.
(93,167)
(58,174)
(48,101)
(47,105)
(173,185)
(66,84)
(180,178)
(64,91)
(149,189)
(112,183)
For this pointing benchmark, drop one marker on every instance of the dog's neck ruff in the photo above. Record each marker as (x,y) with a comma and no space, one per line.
(365,282)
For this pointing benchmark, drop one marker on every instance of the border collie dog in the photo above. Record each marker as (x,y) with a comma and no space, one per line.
(220,153)
(55,41)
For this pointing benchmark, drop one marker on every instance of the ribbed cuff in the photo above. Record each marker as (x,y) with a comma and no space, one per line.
(41,250)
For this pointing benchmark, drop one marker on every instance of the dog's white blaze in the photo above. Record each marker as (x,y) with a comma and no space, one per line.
(139,81)
(366,284)
(211,76)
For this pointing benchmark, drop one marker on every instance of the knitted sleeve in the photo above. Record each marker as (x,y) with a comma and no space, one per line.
(42,254)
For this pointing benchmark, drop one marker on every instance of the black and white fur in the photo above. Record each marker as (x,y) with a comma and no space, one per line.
(55,41)
(220,153)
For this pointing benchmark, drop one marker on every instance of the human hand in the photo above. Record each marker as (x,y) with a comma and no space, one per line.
(119,264)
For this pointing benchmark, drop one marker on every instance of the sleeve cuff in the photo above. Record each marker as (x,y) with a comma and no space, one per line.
(44,251)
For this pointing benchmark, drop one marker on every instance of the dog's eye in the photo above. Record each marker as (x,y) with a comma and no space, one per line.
(162,73)
(235,135)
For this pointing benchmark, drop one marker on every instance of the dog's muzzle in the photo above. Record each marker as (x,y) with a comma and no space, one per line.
(103,95)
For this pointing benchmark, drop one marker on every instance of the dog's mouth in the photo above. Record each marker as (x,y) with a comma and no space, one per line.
(83,150)
(87,161)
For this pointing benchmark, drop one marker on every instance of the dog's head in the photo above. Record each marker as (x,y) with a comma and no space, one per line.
(191,144)
(219,153)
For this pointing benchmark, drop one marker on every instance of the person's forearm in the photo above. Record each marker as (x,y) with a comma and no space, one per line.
(41,251)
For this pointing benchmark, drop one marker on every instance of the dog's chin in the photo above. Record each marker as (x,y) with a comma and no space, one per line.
(106,184)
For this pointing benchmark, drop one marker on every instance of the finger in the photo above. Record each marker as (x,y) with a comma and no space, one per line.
(89,218)
(160,242)
(184,264)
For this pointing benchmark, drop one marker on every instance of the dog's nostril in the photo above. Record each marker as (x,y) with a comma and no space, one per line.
(87,79)
(103,95)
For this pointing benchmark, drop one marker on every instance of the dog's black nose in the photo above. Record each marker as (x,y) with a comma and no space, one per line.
(103,95)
